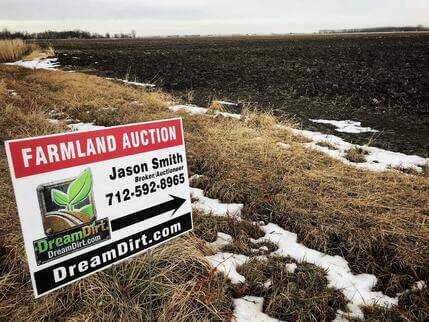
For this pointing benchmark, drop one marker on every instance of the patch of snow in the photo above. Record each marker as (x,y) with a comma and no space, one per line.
(227,103)
(283,146)
(419,285)
(136,103)
(214,206)
(111,109)
(291,267)
(267,284)
(84,126)
(250,308)
(221,241)
(54,121)
(354,312)
(227,264)
(415,287)
(356,288)
(346,126)
(194,178)
(38,63)
(260,249)
(132,83)
(193,110)
(225,114)
(376,160)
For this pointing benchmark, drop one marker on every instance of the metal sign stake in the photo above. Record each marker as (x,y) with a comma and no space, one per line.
(114,292)
(149,264)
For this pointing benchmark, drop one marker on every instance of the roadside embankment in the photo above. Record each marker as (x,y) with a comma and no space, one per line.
(374,223)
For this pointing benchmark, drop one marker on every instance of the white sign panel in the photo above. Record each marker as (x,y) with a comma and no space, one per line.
(87,200)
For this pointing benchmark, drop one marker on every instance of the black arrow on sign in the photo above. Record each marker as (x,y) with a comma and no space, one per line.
(147,213)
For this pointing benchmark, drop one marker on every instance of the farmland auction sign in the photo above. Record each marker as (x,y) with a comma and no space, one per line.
(87,200)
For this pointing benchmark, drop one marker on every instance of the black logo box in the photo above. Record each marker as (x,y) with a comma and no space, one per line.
(46,204)
(44,278)
(104,235)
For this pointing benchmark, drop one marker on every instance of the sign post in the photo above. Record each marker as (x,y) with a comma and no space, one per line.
(149,265)
(90,199)
(115,293)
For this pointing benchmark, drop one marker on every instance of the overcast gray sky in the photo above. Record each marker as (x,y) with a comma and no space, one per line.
(163,17)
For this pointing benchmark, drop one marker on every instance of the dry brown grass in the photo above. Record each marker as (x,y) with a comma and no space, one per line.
(40,53)
(3,89)
(326,145)
(216,106)
(183,286)
(207,227)
(356,154)
(300,296)
(412,306)
(14,49)
(377,221)
(256,119)
(189,96)
(80,97)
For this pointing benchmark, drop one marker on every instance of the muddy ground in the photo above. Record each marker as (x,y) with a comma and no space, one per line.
(379,79)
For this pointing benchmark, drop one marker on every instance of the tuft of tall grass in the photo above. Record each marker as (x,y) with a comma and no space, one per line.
(356,154)
(40,53)
(217,106)
(14,49)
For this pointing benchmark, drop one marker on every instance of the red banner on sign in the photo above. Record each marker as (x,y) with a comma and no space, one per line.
(55,152)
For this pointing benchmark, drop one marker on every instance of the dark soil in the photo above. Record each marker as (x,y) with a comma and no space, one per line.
(379,79)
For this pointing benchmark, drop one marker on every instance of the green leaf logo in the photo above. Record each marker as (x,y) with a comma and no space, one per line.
(87,210)
(80,188)
(59,197)
(77,191)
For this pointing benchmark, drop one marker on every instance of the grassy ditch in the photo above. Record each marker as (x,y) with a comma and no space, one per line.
(377,221)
